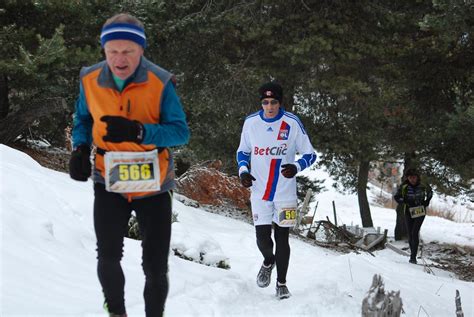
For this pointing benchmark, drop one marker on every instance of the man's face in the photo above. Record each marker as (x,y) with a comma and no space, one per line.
(270,107)
(123,57)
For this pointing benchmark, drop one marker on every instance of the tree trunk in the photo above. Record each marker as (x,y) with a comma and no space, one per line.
(4,104)
(364,207)
(401,232)
(409,161)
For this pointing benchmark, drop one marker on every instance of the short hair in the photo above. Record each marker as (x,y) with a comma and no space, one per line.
(412,172)
(124,18)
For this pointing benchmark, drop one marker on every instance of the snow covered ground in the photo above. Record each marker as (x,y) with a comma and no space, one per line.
(48,260)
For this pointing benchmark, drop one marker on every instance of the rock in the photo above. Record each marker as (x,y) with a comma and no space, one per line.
(186,201)
(460,250)
(217,164)
(207,185)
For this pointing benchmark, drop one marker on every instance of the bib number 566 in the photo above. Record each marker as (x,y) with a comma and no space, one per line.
(134,172)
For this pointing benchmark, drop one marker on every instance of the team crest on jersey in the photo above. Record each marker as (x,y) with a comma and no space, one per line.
(284,131)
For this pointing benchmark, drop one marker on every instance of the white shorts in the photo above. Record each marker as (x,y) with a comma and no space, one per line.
(265,212)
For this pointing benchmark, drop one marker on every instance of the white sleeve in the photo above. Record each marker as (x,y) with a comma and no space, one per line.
(304,148)
(244,150)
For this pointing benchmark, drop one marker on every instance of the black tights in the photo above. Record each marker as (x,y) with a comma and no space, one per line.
(282,253)
(413,227)
(111,215)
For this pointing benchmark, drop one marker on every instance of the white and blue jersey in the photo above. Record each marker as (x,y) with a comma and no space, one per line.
(266,145)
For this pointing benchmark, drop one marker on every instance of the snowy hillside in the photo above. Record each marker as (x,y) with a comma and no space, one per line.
(48,265)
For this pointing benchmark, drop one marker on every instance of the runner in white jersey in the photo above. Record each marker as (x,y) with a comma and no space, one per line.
(266,157)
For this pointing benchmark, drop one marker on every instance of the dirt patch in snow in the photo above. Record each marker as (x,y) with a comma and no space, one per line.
(452,258)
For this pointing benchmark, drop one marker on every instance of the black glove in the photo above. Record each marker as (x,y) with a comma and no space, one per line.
(80,164)
(246,179)
(120,129)
(289,170)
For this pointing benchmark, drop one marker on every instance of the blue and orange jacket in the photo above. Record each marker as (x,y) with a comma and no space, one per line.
(148,97)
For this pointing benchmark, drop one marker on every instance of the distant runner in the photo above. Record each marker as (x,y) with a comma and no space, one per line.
(415,197)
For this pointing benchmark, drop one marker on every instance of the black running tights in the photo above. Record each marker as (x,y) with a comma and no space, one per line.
(282,253)
(413,228)
(111,215)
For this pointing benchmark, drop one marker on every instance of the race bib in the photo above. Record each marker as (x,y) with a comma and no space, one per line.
(417,211)
(129,172)
(287,217)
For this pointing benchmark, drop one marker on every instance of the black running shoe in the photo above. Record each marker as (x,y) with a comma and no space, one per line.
(413,261)
(264,275)
(282,291)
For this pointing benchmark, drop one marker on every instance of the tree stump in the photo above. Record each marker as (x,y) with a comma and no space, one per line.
(377,303)
(459,312)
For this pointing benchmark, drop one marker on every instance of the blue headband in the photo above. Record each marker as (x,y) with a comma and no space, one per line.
(123,31)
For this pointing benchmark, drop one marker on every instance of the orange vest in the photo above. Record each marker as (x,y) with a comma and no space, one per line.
(140,100)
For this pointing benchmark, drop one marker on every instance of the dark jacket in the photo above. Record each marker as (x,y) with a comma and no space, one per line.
(413,196)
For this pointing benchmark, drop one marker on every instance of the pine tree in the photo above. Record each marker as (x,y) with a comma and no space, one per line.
(40,64)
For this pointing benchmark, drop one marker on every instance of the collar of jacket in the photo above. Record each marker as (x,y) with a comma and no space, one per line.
(140,75)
